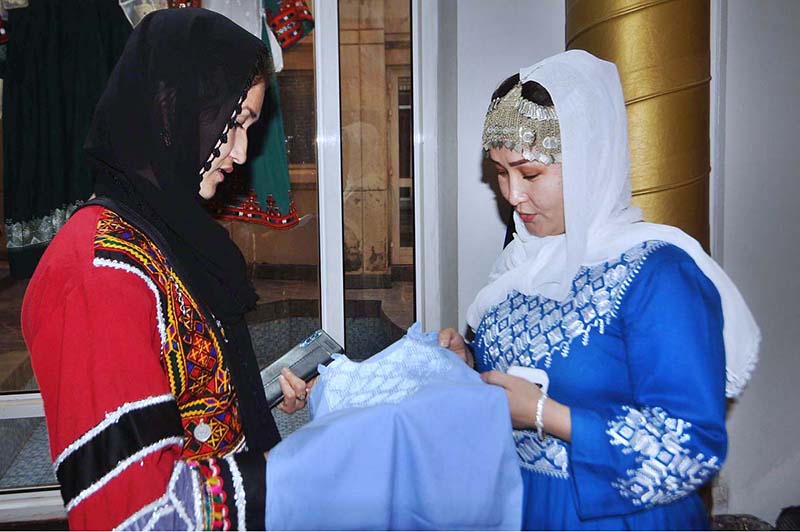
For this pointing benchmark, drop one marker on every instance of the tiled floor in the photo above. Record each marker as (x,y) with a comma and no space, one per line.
(31,466)
(396,302)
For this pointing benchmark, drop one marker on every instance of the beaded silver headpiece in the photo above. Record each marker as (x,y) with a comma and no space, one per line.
(518,124)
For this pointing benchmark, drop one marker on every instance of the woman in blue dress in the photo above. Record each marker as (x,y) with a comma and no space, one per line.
(640,333)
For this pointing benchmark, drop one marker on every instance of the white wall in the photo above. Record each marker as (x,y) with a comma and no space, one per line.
(492,44)
(761,235)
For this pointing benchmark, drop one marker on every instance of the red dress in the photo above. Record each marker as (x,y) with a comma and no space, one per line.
(141,412)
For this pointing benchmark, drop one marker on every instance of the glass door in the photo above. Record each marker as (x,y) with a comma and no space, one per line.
(377,201)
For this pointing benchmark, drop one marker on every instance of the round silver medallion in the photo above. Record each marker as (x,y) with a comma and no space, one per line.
(202,431)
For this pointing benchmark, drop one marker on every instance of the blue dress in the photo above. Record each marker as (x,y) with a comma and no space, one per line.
(636,351)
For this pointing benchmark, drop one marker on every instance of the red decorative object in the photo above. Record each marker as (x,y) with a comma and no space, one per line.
(178,4)
(3,32)
(290,22)
(248,209)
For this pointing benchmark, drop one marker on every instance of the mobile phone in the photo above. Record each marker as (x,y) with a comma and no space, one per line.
(303,359)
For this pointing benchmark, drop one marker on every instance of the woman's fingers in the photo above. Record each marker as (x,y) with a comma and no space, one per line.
(450,339)
(293,399)
(294,380)
(498,378)
(445,336)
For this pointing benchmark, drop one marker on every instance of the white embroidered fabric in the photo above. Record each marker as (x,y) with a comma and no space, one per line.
(39,230)
(389,377)
(667,470)
(549,457)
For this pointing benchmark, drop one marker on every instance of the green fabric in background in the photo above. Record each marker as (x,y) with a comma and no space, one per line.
(59,57)
(269,169)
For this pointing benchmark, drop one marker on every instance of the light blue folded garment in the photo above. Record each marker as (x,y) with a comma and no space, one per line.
(410,439)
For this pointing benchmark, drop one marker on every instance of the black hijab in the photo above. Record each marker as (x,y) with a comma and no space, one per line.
(168,105)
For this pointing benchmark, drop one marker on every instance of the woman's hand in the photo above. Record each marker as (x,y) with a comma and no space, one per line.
(522,398)
(451,339)
(295,391)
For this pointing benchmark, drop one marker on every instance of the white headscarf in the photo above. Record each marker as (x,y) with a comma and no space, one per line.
(601,223)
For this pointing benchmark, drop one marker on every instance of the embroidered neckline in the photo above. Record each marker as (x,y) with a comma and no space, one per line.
(530,330)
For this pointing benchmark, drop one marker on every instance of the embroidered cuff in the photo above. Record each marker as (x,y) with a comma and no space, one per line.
(234,491)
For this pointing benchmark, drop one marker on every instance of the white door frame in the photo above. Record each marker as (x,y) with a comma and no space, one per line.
(425,79)
(329,168)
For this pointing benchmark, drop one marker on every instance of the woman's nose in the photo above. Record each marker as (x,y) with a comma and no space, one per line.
(516,194)
(239,151)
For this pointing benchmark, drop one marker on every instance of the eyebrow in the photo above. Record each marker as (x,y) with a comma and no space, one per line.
(513,164)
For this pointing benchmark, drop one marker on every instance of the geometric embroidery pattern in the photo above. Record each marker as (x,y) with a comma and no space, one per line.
(391,379)
(666,471)
(549,457)
(529,331)
(191,354)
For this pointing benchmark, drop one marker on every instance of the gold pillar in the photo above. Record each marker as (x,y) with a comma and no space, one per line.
(662,51)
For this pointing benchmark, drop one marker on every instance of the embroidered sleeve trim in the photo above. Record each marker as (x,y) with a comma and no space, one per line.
(668,469)
(99,459)
(188,513)
(110,419)
(216,483)
(121,466)
(252,467)
(239,495)
(125,436)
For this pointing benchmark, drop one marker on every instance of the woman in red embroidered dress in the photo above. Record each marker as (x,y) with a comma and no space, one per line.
(135,315)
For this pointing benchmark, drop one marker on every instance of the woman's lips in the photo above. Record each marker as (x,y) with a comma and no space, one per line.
(526,218)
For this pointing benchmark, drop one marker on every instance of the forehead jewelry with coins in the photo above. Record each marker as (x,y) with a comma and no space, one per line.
(523,126)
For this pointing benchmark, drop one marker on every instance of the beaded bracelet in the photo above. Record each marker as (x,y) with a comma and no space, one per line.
(539,410)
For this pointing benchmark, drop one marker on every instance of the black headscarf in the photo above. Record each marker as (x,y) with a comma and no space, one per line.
(168,104)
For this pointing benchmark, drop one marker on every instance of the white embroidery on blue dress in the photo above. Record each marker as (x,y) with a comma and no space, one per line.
(529,330)
(549,457)
(390,379)
(666,471)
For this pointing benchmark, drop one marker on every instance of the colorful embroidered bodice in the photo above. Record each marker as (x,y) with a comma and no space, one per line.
(191,354)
